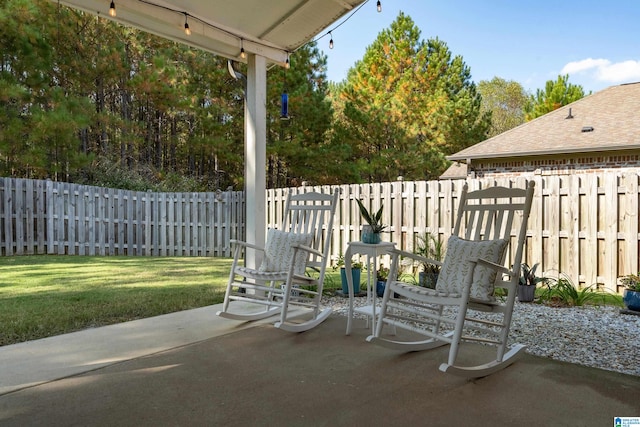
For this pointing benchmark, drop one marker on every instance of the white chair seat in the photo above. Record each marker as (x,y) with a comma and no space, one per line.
(402,288)
(261,275)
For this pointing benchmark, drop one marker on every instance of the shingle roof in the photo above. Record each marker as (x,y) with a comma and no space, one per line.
(613,113)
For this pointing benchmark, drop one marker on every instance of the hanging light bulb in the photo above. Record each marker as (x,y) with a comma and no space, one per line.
(112,10)
(287,64)
(331,40)
(242,53)
(187,30)
(379,6)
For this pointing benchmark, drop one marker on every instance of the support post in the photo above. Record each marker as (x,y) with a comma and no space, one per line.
(255,148)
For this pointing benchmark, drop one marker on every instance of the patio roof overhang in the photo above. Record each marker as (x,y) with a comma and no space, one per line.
(268,31)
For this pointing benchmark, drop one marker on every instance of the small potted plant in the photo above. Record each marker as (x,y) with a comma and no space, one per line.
(371,231)
(356,269)
(631,295)
(429,246)
(528,282)
(381,280)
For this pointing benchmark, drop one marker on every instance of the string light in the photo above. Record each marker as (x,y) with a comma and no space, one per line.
(242,53)
(344,21)
(112,10)
(187,30)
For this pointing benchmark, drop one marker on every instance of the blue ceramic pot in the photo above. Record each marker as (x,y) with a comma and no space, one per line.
(355,275)
(368,236)
(380,285)
(631,300)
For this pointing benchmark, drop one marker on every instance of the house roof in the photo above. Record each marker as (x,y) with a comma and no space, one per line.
(604,121)
(457,170)
(267,28)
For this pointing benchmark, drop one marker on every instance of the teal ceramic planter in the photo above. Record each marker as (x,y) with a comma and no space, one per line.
(369,236)
(355,275)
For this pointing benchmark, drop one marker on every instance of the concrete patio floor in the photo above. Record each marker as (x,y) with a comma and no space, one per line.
(194,368)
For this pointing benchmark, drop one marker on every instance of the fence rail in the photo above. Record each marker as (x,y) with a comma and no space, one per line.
(583,225)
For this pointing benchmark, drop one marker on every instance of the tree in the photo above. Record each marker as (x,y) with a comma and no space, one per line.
(40,121)
(506,101)
(295,145)
(406,105)
(555,95)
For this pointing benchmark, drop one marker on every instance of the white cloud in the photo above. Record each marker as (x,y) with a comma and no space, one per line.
(584,65)
(626,71)
(604,70)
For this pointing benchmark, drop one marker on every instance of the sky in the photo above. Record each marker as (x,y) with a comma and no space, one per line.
(597,43)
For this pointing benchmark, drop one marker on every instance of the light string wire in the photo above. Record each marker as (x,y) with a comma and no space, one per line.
(344,21)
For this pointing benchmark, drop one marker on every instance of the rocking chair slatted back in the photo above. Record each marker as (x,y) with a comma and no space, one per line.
(488,214)
(312,213)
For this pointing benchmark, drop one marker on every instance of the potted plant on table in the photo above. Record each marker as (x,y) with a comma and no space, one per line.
(431,247)
(631,295)
(371,231)
(356,270)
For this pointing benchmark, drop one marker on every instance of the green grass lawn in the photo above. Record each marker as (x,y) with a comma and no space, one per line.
(42,296)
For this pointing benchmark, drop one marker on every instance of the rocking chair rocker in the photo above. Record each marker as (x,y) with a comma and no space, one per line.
(482,254)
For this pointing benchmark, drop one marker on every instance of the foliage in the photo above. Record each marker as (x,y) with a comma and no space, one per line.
(406,105)
(78,92)
(631,282)
(374,220)
(339,263)
(42,296)
(295,145)
(382,274)
(555,95)
(528,275)
(431,247)
(562,292)
(506,101)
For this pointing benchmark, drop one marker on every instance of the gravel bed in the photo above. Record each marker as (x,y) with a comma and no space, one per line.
(599,337)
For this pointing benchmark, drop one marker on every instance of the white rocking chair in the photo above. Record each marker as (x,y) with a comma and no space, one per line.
(473,267)
(293,267)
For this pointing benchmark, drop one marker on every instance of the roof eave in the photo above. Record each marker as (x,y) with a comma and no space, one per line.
(463,157)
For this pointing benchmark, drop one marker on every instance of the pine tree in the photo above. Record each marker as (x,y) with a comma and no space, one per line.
(407,104)
(555,95)
(295,145)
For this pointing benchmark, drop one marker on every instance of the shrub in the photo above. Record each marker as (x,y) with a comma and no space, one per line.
(562,292)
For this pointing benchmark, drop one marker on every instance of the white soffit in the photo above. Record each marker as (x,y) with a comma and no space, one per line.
(270,28)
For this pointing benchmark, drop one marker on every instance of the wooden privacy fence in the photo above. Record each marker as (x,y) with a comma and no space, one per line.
(582,225)
(45,217)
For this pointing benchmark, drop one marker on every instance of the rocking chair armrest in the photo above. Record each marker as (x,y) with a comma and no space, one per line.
(415,257)
(307,249)
(498,267)
(246,245)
